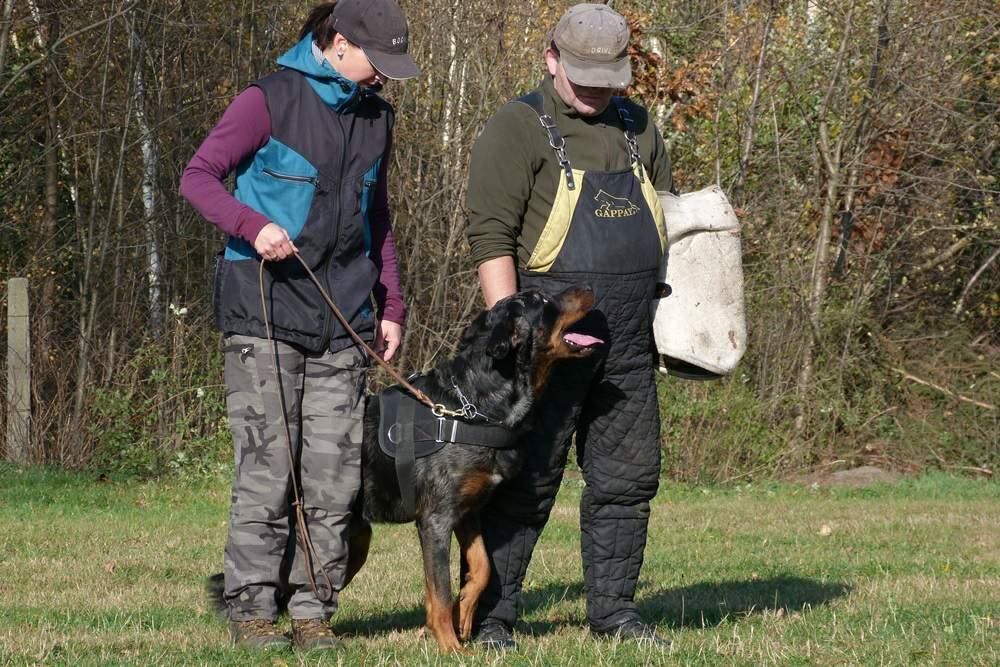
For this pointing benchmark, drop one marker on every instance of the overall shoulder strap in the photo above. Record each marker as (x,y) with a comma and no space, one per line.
(630,139)
(533,100)
(556,141)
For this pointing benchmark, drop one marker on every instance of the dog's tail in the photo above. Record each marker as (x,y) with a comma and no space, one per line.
(215,588)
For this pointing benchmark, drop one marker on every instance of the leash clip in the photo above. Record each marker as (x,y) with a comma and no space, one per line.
(440,411)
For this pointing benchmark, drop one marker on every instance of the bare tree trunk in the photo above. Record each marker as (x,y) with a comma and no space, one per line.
(748,133)
(93,253)
(820,267)
(150,169)
(449,96)
(47,240)
(812,21)
(8,10)
(861,139)
(830,158)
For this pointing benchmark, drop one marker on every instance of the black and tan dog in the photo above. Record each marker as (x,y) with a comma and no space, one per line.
(503,361)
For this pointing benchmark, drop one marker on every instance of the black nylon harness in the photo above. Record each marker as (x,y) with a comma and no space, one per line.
(409,430)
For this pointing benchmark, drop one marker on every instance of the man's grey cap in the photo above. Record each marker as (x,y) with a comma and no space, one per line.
(593,46)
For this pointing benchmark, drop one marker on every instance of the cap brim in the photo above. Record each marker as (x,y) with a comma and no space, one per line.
(617,74)
(397,66)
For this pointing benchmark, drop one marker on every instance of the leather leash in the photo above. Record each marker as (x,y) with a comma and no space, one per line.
(438,409)
(302,529)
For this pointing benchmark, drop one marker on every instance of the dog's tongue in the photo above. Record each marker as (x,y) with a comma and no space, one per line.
(582,340)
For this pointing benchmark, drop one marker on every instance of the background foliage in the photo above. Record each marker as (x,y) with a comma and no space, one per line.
(858,138)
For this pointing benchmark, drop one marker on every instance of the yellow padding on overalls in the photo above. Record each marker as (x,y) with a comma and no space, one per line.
(653,201)
(556,228)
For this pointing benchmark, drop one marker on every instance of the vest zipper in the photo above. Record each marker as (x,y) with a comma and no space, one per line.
(327,324)
(314,180)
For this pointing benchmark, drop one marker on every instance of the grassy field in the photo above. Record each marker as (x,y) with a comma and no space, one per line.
(104,573)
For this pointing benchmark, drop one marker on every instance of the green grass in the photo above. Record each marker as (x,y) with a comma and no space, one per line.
(106,573)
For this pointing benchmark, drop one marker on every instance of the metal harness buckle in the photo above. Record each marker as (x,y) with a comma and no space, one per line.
(441,431)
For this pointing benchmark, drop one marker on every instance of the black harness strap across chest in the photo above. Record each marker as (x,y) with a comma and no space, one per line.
(405,452)
(409,430)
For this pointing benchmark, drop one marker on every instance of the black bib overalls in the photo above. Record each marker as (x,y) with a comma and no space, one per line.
(606,231)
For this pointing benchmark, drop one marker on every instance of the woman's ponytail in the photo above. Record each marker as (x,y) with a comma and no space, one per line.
(320,23)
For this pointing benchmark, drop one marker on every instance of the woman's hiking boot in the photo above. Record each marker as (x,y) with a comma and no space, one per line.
(313,633)
(257,633)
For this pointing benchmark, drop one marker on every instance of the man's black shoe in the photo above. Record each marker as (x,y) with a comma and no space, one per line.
(495,635)
(632,629)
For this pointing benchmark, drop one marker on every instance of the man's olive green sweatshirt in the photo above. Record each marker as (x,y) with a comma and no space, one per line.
(514,173)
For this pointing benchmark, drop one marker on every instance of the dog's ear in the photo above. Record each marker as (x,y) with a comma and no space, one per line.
(498,343)
(520,330)
(508,328)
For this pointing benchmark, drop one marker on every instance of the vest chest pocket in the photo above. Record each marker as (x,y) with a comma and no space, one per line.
(287,197)
(292,178)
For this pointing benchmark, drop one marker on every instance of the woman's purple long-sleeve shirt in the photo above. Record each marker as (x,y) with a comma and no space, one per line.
(244,129)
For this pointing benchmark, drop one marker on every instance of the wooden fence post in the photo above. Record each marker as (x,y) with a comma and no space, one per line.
(18,371)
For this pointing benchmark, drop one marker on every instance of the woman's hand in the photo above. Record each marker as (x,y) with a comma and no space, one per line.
(388,336)
(273,244)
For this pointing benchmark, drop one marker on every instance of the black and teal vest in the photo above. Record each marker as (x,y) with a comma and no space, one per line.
(316,178)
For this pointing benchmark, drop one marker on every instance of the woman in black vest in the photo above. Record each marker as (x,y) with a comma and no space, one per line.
(309,146)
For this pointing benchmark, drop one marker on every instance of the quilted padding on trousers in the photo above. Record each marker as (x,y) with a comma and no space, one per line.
(609,401)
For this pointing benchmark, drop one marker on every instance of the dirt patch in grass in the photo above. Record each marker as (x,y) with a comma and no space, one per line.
(852,478)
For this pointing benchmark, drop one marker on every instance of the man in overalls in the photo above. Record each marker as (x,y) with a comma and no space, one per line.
(562,191)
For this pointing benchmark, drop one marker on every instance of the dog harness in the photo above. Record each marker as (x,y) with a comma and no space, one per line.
(409,430)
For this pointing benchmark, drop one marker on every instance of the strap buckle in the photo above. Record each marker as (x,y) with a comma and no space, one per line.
(630,138)
(558,144)
(441,430)
(546,121)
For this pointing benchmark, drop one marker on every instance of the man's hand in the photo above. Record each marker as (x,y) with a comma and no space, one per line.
(388,336)
(273,244)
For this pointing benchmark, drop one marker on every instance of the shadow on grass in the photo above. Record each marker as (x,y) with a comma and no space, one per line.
(382,623)
(711,603)
(701,605)
(697,606)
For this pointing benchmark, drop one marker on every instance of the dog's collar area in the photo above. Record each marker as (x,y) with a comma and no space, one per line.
(467,411)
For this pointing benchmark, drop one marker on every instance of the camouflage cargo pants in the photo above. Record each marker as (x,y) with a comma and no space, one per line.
(323,400)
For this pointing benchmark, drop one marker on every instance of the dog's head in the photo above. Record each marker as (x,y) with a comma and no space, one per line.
(530,331)
(508,352)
